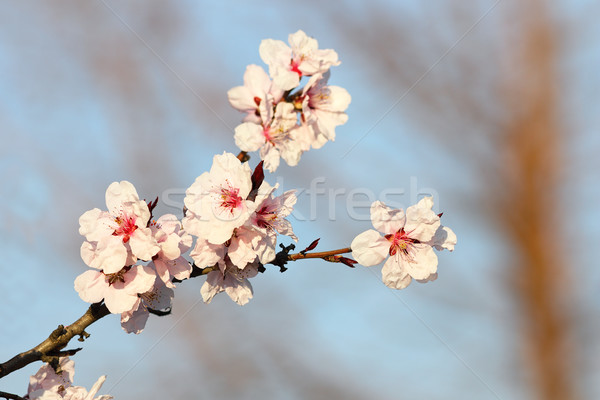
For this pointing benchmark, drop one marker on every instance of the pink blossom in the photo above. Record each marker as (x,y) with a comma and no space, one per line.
(72,393)
(287,64)
(273,137)
(271,211)
(173,241)
(206,254)
(230,279)
(256,96)
(257,238)
(158,298)
(239,249)
(217,201)
(48,379)
(269,220)
(81,393)
(46,384)
(119,290)
(323,109)
(408,239)
(120,235)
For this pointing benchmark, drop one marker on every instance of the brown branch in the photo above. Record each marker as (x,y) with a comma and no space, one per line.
(10,396)
(51,348)
(282,258)
(323,254)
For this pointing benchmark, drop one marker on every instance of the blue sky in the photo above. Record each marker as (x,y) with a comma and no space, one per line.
(89,97)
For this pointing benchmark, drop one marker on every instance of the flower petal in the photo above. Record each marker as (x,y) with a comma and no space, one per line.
(249,136)
(385,219)
(394,275)
(109,254)
(206,254)
(91,286)
(444,238)
(421,221)
(424,261)
(369,248)
(212,286)
(143,245)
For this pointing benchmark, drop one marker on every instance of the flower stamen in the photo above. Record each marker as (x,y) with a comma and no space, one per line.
(125,227)
(400,242)
(230,198)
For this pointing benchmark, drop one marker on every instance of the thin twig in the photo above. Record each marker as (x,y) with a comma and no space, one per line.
(322,254)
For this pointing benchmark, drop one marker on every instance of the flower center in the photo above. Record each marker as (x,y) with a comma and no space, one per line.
(117,276)
(230,198)
(267,134)
(125,227)
(265,217)
(400,242)
(294,67)
(320,98)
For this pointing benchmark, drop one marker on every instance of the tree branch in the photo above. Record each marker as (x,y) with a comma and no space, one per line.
(51,348)
(10,396)
(323,254)
(282,258)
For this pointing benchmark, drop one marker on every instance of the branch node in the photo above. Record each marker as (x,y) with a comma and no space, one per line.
(282,257)
(83,335)
(57,333)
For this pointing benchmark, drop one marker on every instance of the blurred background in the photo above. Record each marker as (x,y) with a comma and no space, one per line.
(492,106)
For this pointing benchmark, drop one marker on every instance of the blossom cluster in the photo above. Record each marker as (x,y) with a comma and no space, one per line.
(51,384)
(231,212)
(232,217)
(283,119)
(116,240)
(236,219)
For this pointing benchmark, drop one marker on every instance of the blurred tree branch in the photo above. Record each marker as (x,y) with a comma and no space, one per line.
(494,103)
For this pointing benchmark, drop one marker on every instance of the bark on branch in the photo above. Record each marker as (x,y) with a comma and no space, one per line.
(53,346)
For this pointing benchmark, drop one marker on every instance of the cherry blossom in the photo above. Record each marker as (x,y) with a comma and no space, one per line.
(239,249)
(46,384)
(269,220)
(173,242)
(257,238)
(72,393)
(217,201)
(273,137)
(323,109)
(159,297)
(81,393)
(48,379)
(408,238)
(230,279)
(257,96)
(287,64)
(119,290)
(120,235)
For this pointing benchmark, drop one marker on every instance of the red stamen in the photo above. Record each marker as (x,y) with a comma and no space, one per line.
(126,227)
(400,241)
(230,199)
(265,217)
(295,65)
